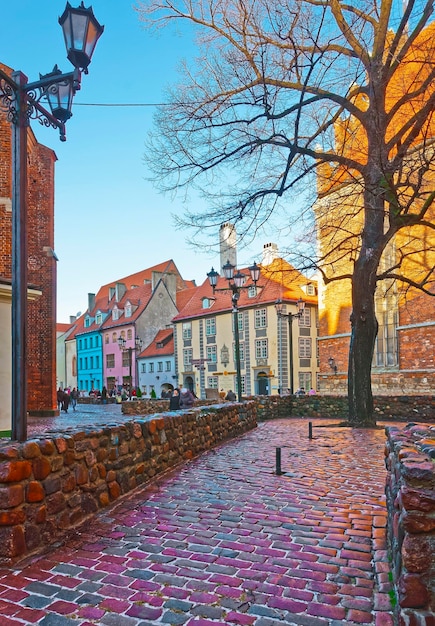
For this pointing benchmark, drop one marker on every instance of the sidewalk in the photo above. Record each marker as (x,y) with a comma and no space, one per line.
(224,540)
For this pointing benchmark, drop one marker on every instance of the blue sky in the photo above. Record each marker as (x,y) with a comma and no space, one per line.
(109,220)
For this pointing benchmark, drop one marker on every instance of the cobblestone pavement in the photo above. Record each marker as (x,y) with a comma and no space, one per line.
(224,540)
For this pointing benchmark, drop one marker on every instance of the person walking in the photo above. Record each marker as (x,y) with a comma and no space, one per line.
(231,396)
(65,401)
(74,398)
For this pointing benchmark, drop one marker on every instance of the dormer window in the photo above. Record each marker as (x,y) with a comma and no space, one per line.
(128,309)
(207,303)
(311,290)
(99,318)
(252,291)
(88,322)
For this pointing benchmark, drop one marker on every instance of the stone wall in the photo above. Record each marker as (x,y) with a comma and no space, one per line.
(50,485)
(387,408)
(410,490)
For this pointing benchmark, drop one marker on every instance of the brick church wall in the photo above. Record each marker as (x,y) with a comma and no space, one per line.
(41,265)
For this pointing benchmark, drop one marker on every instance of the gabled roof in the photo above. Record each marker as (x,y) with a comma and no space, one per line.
(278,280)
(161,345)
(138,297)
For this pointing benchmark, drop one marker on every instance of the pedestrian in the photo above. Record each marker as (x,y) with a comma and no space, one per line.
(59,396)
(65,401)
(104,395)
(312,392)
(187,398)
(74,398)
(231,396)
(174,400)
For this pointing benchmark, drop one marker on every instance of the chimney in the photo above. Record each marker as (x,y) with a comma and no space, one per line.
(91,301)
(72,319)
(270,252)
(120,290)
(227,244)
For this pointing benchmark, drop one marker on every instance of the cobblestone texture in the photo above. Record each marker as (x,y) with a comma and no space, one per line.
(224,540)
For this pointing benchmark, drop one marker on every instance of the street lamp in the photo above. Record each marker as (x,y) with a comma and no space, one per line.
(290,316)
(138,343)
(22,102)
(236,282)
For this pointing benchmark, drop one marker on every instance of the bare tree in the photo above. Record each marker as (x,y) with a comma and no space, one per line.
(285,92)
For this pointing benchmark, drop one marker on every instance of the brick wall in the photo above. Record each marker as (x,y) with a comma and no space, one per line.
(50,485)
(41,267)
(410,490)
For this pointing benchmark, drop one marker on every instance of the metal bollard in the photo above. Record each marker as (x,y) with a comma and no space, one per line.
(278,461)
(310,430)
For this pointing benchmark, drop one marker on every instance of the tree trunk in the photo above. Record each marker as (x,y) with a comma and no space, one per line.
(362,344)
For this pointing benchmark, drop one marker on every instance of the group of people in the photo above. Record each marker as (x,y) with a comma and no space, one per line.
(181,399)
(67,396)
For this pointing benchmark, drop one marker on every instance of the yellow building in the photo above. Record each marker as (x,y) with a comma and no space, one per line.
(204,335)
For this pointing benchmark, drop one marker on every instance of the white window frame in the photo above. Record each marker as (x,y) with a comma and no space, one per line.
(211,352)
(260,318)
(210,326)
(305,347)
(261,349)
(187,330)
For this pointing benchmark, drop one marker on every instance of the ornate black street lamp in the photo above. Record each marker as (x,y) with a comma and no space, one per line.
(138,343)
(290,316)
(236,282)
(23,101)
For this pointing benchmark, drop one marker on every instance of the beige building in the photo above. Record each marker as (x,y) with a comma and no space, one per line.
(205,341)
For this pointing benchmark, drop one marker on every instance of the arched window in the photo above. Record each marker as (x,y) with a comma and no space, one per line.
(74,366)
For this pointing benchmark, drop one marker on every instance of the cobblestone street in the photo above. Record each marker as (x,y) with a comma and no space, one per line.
(224,540)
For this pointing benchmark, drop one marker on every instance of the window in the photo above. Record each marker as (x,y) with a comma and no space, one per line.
(86,344)
(110,360)
(125,358)
(206,303)
(91,362)
(97,362)
(150,368)
(86,362)
(143,370)
(81,363)
(212,382)
(129,334)
(261,351)
(305,318)
(99,318)
(310,292)
(114,337)
(305,380)
(305,347)
(160,366)
(80,344)
(210,326)
(252,291)
(187,357)
(187,330)
(167,366)
(88,322)
(260,318)
(106,338)
(115,313)
(240,320)
(212,353)
(128,310)
(241,350)
(74,366)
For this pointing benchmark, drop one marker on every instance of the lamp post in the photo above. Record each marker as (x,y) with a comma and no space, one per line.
(290,316)
(23,101)
(138,343)
(236,282)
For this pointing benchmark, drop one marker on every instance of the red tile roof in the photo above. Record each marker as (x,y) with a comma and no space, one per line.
(161,345)
(279,280)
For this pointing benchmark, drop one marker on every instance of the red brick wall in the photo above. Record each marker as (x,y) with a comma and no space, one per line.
(42,268)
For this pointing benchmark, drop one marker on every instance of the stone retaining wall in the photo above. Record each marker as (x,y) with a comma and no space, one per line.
(50,485)
(387,408)
(410,490)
